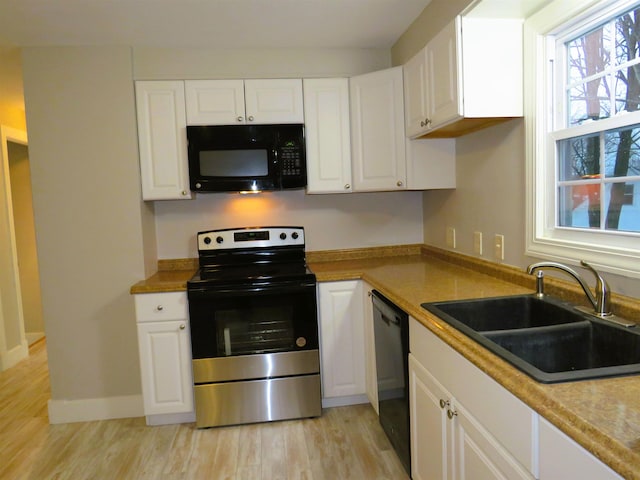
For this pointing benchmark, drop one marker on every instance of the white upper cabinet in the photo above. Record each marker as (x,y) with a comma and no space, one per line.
(214,102)
(162,140)
(467,77)
(383,158)
(327,136)
(229,102)
(377,131)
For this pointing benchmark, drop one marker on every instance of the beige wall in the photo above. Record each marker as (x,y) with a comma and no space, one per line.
(432,19)
(11,91)
(89,218)
(25,237)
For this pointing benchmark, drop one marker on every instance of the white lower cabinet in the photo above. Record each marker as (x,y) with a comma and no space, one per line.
(463,424)
(165,357)
(341,343)
(561,457)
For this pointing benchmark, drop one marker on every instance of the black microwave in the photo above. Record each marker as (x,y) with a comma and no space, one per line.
(246,158)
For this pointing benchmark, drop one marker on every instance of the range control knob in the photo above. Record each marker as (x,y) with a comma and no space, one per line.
(219,239)
(207,240)
(294,235)
(283,236)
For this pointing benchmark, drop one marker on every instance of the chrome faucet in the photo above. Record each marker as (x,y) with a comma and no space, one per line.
(601,300)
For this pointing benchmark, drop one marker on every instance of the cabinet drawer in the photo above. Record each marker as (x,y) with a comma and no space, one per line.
(157,307)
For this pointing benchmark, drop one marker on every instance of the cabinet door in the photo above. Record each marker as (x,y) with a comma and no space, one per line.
(377,131)
(431,445)
(162,140)
(327,136)
(341,338)
(214,102)
(561,457)
(415,99)
(371,377)
(274,101)
(478,454)
(165,363)
(443,99)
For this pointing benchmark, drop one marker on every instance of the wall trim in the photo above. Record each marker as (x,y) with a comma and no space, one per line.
(91,409)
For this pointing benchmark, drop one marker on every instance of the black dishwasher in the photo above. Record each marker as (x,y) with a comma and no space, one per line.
(391,332)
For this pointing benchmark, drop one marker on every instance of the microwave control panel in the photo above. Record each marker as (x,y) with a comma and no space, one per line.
(291,159)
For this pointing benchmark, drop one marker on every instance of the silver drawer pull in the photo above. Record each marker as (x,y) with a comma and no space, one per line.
(159,308)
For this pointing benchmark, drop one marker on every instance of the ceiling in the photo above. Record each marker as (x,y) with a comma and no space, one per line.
(208,23)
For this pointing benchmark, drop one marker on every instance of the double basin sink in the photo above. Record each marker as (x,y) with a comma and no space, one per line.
(548,339)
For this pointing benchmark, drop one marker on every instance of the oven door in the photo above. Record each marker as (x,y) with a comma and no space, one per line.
(251,320)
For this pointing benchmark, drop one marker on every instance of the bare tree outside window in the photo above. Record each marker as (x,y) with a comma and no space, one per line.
(603,80)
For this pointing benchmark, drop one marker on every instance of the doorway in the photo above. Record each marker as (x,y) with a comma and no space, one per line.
(21,322)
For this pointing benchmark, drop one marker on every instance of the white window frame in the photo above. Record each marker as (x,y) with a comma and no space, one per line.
(615,252)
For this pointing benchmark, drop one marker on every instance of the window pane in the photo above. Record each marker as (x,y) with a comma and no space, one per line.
(579,157)
(627,37)
(622,202)
(589,101)
(588,55)
(622,152)
(579,206)
(627,89)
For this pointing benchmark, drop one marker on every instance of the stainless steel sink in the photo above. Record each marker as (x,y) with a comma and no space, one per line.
(546,338)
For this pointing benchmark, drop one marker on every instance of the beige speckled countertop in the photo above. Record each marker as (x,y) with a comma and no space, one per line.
(601,415)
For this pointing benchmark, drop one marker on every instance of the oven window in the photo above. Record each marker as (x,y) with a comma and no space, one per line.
(259,330)
(252,323)
(234,163)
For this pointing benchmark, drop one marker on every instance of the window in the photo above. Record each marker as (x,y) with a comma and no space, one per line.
(583,129)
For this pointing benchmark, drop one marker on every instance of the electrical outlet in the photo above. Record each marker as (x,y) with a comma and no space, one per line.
(477,243)
(498,247)
(451,237)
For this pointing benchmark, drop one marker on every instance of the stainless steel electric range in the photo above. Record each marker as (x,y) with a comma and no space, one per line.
(254,327)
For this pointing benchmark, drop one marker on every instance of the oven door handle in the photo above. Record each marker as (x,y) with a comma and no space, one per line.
(216,292)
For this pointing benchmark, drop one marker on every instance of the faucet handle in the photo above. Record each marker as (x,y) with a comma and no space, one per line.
(603,292)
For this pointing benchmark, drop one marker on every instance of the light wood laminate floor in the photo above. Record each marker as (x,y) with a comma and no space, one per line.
(345,443)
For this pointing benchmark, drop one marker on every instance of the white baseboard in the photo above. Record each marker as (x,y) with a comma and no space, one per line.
(171,418)
(11,357)
(343,401)
(90,409)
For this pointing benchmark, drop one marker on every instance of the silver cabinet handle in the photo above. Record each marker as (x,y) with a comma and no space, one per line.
(240,118)
(182,326)
(399,183)
(159,308)
(451,414)
(443,403)
(347,186)
(184,193)
(250,118)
